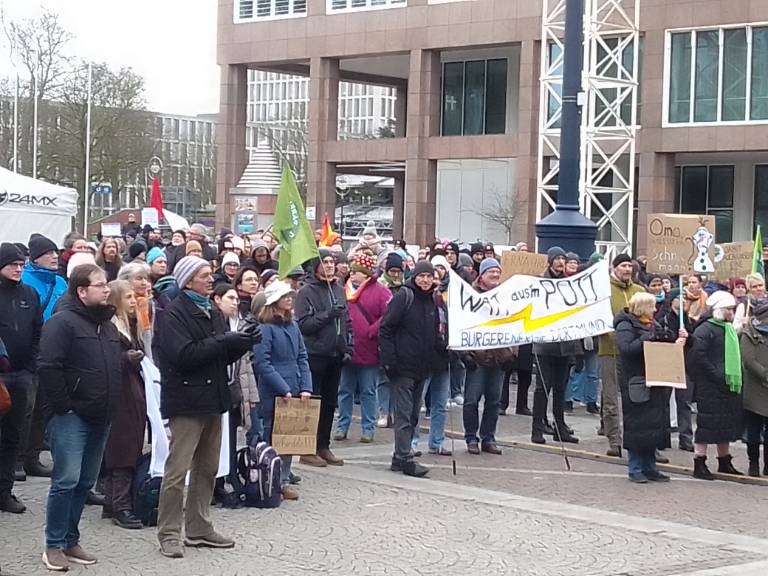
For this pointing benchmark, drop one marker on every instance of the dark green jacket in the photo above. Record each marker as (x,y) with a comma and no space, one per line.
(754,360)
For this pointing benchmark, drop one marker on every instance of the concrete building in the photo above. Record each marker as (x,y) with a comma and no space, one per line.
(467,113)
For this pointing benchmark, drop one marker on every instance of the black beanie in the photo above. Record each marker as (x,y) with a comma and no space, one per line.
(452,246)
(24,249)
(620,259)
(476,247)
(423,267)
(40,245)
(136,249)
(554,252)
(9,253)
(572,256)
(394,260)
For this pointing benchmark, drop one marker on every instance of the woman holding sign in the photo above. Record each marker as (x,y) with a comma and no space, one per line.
(645,410)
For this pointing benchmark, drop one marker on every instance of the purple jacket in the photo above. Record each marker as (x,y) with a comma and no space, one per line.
(366,314)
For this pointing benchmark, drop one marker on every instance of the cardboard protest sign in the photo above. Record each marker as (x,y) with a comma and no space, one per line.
(528,263)
(681,244)
(733,260)
(528,309)
(664,364)
(294,428)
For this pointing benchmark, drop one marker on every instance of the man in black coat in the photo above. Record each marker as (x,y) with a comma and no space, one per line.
(21,319)
(195,350)
(323,317)
(81,376)
(408,346)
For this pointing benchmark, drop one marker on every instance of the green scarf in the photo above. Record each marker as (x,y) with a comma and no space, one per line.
(202,302)
(732,356)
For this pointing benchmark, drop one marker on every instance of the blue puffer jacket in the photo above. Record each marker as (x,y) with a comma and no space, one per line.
(42,280)
(280,363)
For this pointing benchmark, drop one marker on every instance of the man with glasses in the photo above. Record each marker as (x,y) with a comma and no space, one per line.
(21,319)
(80,374)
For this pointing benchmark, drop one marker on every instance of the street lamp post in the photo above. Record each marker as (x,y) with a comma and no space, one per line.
(566,226)
(342,191)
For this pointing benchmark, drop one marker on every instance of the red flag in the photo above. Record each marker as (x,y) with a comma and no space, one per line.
(156,200)
(327,233)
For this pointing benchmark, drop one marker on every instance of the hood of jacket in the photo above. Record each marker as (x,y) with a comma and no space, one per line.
(418,292)
(42,275)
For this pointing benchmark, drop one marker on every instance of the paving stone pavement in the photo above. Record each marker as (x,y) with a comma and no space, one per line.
(363,519)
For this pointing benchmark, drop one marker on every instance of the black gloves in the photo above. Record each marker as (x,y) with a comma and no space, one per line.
(252,329)
(336,310)
(134,357)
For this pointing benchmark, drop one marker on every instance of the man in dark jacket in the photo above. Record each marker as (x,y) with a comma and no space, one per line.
(81,376)
(195,350)
(452,255)
(21,319)
(408,345)
(554,360)
(323,317)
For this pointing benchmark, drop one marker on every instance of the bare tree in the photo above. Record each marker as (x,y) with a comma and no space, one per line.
(501,209)
(290,143)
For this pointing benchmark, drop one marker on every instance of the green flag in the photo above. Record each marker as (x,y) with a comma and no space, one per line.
(297,242)
(757,257)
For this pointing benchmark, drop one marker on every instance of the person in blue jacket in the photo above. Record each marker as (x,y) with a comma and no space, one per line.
(41,273)
(280,363)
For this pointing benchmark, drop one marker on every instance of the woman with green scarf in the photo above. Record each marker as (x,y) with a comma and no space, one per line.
(716,360)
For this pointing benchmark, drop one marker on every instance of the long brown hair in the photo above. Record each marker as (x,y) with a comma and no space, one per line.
(271,315)
(117,291)
(100,252)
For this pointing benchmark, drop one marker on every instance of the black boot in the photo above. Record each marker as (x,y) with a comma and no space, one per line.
(94,499)
(725,465)
(700,469)
(753,452)
(36,468)
(9,503)
(126,519)
(592,408)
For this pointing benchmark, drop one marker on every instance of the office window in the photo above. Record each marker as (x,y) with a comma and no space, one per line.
(707,67)
(734,74)
(708,190)
(554,52)
(474,99)
(759,96)
(453,98)
(680,79)
(761,197)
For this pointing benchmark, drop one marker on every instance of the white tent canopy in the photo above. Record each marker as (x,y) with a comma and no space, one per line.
(28,206)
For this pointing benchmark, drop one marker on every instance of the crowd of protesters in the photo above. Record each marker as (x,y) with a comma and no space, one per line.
(368,324)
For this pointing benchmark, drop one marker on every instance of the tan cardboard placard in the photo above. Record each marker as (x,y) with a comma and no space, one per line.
(681,244)
(736,260)
(294,428)
(664,364)
(528,263)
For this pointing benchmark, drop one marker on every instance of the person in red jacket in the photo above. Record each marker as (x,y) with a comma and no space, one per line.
(367,300)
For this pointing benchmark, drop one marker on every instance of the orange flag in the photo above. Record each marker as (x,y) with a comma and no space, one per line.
(327,236)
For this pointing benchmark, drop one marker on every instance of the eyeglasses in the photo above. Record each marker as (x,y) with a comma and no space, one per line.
(99,285)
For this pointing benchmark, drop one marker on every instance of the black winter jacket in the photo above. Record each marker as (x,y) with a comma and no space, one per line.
(21,319)
(80,361)
(324,334)
(195,351)
(408,341)
(720,413)
(646,424)
(566,349)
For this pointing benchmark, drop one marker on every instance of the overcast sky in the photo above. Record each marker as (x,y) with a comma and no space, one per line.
(171,43)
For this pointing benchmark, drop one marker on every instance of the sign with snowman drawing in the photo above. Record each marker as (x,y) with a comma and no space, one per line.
(681,244)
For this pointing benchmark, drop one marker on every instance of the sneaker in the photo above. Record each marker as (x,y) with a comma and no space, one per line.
(537,437)
(440,452)
(660,459)
(491,448)
(290,493)
(77,555)
(94,499)
(55,559)
(171,549)
(212,540)
(9,503)
(593,408)
(523,411)
(339,436)
(396,465)
(412,468)
(473,448)
(382,422)
(367,438)
(638,478)
(657,477)
(313,460)
(459,399)
(38,469)
(614,451)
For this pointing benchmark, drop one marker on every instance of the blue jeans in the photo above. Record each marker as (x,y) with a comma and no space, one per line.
(482,382)
(458,374)
(384,395)
(641,462)
(582,385)
(439,386)
(256,431)
(76,448)
(364,378)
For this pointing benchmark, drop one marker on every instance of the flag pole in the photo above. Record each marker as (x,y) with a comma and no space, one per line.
(34,123)
(16,126)
(87,184)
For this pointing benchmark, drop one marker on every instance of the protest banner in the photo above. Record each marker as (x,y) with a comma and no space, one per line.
(527,263)
(664,364)
(733,260)
(294,428)
(111,230)
(527,309)
(681,244)
(150,216)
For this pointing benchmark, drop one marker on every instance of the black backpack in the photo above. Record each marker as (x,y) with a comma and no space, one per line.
(146,492)
(258,475)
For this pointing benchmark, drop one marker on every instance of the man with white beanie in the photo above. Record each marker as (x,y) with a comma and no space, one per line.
(194,352)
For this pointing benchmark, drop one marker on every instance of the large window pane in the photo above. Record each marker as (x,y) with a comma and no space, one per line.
(453,98)
(553,102)
(707,65)
(735,74)
(496,97)
(680,78)
(693,192)
(761,197)
(759,96)
(474,97)
(723,225)
(720,187)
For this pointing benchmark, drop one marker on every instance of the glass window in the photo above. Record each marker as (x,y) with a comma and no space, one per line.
(720,187)
(496,97)
(453,98)
(709,190)
(761,196)
(759,96)
(680,78)
(734,74)
(263,8)
(474,97)
(554,100)
(693,190)
(707,66)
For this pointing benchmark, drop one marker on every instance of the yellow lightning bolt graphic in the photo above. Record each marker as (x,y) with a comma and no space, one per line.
(529,324)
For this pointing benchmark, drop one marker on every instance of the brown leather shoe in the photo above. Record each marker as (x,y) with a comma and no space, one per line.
(79,556)
(330,458)
(290,493)
(491,448)
(313,460)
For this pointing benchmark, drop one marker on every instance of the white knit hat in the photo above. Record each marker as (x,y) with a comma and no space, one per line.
(186,268)
(78,259)
(230,258)
(721,299)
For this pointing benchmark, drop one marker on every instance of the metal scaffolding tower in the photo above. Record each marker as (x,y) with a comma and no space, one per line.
(609,116)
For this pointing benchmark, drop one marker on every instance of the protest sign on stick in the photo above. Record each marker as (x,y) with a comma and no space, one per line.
(681,244)
(528,263)
(734,260)
(664,364)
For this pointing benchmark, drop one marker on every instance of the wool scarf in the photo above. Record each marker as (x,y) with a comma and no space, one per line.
(732,356)
(202,302)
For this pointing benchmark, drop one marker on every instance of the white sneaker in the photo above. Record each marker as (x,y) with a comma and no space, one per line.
(382,422)
(423,409)
(459,399)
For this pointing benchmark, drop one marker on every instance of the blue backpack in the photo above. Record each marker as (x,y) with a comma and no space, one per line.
(146,492)
(258,470)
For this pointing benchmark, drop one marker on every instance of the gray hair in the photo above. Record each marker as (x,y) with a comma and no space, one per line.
(720,313)
(132,270)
